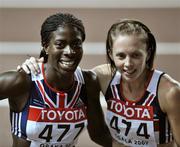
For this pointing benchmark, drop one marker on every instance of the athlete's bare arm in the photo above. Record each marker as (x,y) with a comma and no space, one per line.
(97,128)
(19,142)
(104,75)
(15,86)
(169,97)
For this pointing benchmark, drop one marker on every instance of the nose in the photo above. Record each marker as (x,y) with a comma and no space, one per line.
(68,50)
(128,62)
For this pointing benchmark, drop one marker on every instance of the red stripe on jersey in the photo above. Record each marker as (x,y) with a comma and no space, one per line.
(114,91)
(49,102)
(149,100)
(62,100)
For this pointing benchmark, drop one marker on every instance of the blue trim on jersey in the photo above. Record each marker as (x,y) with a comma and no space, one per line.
(24,121)
(18,125)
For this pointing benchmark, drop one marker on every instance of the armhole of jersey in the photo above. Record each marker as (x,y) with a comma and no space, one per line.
(157,86)
(154,82)
(79,75)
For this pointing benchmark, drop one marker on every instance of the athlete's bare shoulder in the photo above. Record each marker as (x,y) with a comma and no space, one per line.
(15,86)
(89,75)
(13,83)
(104,75)
(169,91)
(91,80)
(169,98)
(103,69)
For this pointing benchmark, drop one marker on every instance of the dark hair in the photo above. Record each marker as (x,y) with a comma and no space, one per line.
(128,27)
(52,23)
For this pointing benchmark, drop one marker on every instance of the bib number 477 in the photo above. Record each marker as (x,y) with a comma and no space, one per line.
(47,131)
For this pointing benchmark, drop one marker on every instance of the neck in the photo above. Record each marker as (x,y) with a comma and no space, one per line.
(60,82)
(135,89)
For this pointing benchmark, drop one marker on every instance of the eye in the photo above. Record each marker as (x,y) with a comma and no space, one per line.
(136,55)
(76,44)
(121,55)
(60,44)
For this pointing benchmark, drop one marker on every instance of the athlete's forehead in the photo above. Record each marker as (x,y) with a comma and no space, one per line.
(131,43)
(67,32)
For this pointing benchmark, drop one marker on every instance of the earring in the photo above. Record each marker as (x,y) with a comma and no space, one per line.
(46,52)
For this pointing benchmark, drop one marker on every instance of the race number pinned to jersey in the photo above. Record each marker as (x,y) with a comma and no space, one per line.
(55,126)
(131,125)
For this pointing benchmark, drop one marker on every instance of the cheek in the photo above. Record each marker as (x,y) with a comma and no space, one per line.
(141,63)
(80,57)
(118,63)
(79,53)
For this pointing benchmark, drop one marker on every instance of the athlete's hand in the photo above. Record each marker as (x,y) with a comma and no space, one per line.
(31,65)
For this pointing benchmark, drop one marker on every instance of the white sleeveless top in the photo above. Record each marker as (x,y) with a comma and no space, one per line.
(137,123)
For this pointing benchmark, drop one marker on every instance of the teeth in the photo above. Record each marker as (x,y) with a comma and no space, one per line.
(129,72)
(67,63)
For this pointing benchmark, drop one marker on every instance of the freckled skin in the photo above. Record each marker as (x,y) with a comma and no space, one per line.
(129,56)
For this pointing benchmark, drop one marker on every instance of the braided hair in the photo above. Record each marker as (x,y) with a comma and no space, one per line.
(128,27)
(52,23)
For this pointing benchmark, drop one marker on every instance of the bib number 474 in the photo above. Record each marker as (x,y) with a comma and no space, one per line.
(142,129)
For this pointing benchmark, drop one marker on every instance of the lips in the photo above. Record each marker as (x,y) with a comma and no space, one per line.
(129,72)
(67,64)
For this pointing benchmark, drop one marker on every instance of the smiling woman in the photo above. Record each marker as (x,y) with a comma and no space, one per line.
(143,103)
(53,108)
(64,52)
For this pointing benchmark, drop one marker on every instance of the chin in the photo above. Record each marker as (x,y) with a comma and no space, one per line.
(130,79)
(69,70)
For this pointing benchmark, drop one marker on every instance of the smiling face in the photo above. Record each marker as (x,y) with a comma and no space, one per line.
(129,55)
(65,49)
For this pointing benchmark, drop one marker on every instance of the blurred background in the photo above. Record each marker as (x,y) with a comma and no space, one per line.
(20,22)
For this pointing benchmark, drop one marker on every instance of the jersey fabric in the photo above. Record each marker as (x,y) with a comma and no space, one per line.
(52,118)
(137,123)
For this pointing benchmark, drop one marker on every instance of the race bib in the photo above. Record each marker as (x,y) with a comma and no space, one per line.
(58,127)
(131,125)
